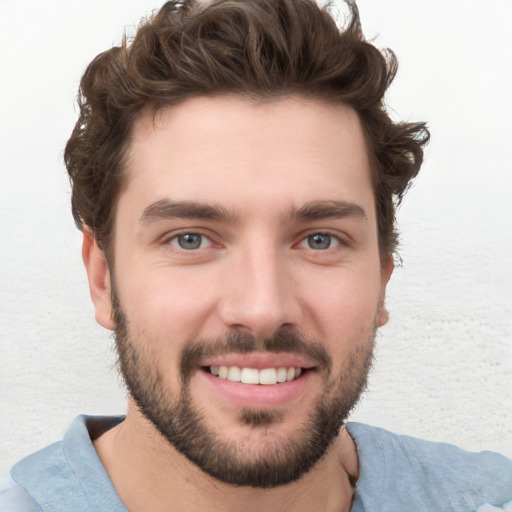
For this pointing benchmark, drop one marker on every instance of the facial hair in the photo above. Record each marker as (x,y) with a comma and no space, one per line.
(282,459)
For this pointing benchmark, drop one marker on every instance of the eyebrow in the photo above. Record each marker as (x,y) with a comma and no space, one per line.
(318,210)
(314,210)
(167,209)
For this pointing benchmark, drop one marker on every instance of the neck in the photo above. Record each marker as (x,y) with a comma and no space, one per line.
(149,474)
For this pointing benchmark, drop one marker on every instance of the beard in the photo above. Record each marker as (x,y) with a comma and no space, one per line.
(281,459)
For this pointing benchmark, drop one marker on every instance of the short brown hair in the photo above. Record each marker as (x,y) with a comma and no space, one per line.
(260,49)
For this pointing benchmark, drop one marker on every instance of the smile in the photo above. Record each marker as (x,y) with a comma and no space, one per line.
(265,376)
(258,381)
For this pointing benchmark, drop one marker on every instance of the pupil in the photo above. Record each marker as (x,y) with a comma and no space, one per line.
(320,241)
(189,241)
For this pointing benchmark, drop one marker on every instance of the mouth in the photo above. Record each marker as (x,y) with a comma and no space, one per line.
(261,381)
(255,376)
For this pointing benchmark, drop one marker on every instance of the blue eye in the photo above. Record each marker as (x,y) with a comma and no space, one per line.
(320,241)
(188,241)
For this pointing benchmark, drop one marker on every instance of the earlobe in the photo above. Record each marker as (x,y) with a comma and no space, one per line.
(98,275)
(386,271)
(383,316)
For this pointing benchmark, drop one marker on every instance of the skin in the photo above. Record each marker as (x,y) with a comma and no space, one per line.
(255,272)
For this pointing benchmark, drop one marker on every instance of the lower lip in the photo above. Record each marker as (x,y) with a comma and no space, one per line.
(258,396)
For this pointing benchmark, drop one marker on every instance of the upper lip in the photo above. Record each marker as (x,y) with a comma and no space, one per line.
(258,361)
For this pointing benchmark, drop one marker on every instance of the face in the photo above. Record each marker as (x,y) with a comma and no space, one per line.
(248,284)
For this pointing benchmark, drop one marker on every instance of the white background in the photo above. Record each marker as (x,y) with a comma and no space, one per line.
(444,362)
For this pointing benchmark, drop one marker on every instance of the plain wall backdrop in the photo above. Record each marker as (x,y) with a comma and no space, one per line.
(444,362)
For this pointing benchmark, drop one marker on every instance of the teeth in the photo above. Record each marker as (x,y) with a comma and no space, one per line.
(234,373)
(281,375)
(267,376)
(249,376)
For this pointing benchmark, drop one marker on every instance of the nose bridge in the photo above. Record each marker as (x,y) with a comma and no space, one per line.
(260,298)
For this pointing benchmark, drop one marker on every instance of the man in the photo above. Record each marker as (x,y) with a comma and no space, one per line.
(235,176)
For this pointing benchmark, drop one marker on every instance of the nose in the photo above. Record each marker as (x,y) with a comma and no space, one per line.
(260,296)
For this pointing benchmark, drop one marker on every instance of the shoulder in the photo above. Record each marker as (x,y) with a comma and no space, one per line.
(34,479)
(13,498)
(67,475)
(429,476)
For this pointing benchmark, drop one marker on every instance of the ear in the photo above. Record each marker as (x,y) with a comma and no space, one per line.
(387,268)
(98,276)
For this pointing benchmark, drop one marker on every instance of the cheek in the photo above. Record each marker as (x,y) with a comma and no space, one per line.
(343,307)
(344,291)
(167,306)
(157,331)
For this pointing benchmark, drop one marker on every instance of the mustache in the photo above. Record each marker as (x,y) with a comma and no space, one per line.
(239,342)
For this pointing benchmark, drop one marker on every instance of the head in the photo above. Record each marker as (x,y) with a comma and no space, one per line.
(260,50)
(236,176)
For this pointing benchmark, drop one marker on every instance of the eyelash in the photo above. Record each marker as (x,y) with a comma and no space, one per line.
(176,236)
(334,240)
(305,239)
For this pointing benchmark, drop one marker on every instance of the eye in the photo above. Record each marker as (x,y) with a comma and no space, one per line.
(320,241)
(190,241)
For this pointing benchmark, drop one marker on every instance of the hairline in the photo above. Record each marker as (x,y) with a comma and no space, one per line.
(155,108)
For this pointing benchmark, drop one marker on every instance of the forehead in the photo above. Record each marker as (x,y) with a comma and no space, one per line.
(243,153)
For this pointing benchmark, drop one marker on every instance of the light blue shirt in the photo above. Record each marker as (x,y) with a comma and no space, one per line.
(397,473)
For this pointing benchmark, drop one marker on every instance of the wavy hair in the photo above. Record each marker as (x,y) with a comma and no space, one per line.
(259,49)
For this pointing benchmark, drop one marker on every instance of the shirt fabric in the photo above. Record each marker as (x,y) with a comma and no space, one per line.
(397,473)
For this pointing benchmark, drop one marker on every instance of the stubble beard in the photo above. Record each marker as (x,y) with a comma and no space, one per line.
(281,459)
